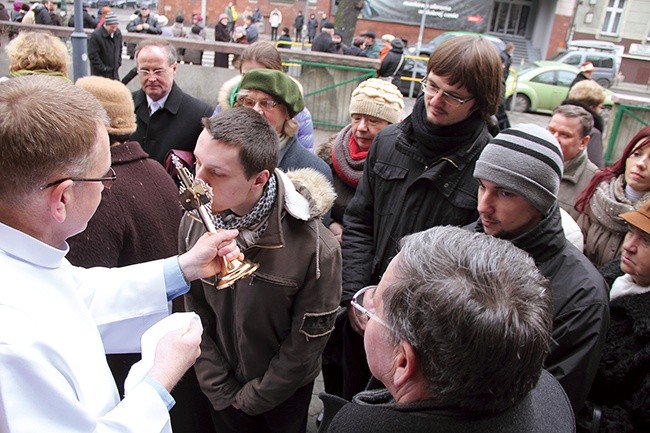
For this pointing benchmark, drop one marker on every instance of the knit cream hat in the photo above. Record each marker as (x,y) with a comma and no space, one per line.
(116,99)
(377,98)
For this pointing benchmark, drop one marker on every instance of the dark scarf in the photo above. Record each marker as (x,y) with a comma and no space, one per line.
(432,141)
(347,157)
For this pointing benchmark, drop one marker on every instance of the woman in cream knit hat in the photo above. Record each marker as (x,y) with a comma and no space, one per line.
(374,105)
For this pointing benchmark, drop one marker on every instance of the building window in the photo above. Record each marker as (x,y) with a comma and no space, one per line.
(613,15)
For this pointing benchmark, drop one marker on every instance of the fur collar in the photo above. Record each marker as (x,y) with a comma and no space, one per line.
(307,193)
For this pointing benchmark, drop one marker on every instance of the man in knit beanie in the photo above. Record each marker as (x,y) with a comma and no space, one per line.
(519,175)
(105,48)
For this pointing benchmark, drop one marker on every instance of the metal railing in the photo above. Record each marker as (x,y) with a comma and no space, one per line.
(626,122)
(327,79)
(327,89)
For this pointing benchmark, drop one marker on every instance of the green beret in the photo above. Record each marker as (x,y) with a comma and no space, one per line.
(277,84)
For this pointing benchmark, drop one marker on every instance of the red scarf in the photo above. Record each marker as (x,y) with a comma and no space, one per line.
(347,158)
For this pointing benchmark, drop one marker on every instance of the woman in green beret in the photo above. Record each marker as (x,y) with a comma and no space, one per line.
(278,99)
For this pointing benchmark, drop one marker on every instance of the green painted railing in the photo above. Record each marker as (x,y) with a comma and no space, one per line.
(327,89)
(628,119)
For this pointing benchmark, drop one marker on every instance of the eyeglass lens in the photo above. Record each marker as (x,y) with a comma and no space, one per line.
(266,104)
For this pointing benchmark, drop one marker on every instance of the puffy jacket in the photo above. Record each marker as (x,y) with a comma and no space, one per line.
(154,27)
(580,305)
(263,337)
(400,194)
(42,15)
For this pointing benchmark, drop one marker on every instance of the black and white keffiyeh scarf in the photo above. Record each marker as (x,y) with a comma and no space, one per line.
(252,225)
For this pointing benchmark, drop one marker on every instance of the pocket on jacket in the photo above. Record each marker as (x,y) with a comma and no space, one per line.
(389,172)
(318,324)
(389,182)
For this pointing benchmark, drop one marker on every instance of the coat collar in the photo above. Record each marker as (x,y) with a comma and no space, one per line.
(172,104)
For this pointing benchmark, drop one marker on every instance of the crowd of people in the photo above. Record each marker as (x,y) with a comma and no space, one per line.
(427,265)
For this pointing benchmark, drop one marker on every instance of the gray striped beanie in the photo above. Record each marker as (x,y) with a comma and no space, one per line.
(525,159)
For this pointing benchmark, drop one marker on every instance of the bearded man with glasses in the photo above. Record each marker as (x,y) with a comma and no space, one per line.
(167,117)
(459,327)
(418,174)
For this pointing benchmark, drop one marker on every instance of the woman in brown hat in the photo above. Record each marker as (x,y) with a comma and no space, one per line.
(619,400)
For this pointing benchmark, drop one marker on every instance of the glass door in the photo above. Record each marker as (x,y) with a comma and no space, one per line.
(510,17)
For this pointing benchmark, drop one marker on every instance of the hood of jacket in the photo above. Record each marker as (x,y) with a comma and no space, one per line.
(307,193)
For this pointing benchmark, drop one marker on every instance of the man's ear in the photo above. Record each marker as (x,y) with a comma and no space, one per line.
(407,364)
(260,179)
(60,196)
(585,141)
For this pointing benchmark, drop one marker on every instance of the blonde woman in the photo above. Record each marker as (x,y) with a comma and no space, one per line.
(32,53)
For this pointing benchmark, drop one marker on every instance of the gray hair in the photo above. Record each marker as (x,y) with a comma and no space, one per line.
(164,44)
(577,112)
(477,312)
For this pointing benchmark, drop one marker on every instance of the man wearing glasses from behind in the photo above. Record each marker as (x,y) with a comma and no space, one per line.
(167,117)
(418,174)
(457,331)
(57,320)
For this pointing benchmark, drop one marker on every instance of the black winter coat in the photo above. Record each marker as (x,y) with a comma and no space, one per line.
(175,126)
(543,410)
(580,305)
(89,21)
(400,194)
(105,53)
(42,15)
(392,63)
(622,384)
(323,43)
(312,27)
(299,22)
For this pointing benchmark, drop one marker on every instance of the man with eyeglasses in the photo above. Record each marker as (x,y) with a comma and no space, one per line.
(167,117)
(57,320)
(519,174)
(458,329)
(418,174)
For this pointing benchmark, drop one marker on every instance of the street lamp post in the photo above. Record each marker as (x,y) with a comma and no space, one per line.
(419,46)
(79,47)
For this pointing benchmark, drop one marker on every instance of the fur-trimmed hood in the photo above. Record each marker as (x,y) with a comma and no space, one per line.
(308,193)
